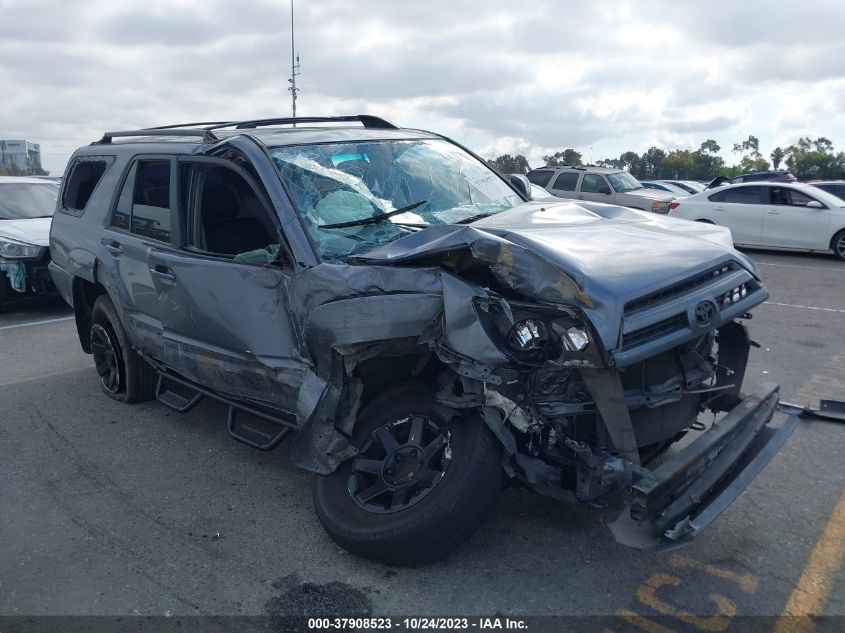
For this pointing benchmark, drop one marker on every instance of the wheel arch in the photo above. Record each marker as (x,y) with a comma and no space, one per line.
(85,293)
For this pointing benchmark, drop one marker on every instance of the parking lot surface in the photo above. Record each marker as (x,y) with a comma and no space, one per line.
(114,509)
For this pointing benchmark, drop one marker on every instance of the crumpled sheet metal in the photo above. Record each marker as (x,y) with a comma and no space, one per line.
(513,265)
(343,309)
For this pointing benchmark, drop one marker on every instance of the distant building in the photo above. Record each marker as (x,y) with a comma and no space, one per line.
(20,157)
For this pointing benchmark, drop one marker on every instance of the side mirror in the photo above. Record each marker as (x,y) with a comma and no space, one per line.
(815,204)
(605,191)
(521,183)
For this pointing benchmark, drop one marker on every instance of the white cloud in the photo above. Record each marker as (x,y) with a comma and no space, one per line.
(499,77)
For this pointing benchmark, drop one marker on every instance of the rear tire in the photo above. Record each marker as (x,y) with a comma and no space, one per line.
(124,375)
(837,244)
(431,518)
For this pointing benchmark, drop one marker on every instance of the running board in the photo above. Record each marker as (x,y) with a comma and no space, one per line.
(253,437)
(173,400)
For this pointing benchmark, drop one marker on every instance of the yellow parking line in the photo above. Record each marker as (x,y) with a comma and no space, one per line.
(809,595)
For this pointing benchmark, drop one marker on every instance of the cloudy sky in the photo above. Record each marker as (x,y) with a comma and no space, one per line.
(606,75)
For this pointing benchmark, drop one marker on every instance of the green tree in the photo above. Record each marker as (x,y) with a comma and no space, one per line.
(631,161)
(751,158)
(566,157)
(508,164)
(777,157)
(709,147)
(652,163)
(815,159)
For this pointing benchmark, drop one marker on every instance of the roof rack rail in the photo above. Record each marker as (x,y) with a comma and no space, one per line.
(366,120)
(206,134)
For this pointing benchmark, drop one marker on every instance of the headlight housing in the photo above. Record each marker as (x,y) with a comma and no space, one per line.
(535,334)
(12,249)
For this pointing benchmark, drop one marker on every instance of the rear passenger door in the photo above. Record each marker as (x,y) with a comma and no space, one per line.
(140,225)
(741,210)
(223,292)
(564,184)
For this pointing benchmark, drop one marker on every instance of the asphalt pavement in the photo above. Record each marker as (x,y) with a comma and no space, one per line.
(109,509)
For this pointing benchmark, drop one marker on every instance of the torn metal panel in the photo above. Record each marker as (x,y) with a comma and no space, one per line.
(16,273)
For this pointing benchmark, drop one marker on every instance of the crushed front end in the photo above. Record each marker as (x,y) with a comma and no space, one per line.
(575,417)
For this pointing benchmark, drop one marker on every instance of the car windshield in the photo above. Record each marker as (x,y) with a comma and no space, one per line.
(623,181)
(22,200)
(343,183)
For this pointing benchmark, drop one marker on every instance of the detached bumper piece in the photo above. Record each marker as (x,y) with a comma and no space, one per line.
(673,503)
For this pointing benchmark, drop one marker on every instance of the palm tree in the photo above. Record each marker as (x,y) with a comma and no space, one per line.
(777,156)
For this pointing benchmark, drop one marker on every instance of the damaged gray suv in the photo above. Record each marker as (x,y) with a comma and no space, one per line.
(424,330)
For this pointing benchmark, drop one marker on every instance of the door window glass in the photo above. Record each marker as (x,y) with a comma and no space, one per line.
(593,183)
(228,216)
(144,203)
(743,195)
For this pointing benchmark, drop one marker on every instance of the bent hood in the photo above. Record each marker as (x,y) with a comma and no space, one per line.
(32,231)
(592,255)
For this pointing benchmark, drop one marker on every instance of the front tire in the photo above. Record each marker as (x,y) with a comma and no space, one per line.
(837,244)
(419,485)
(124,375)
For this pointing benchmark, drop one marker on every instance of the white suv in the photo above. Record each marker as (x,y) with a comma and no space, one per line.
(600,184)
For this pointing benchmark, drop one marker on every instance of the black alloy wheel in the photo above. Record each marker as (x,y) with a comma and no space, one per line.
(107,358)
(400,465)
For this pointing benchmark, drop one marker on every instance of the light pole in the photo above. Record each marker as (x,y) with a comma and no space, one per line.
(294,67)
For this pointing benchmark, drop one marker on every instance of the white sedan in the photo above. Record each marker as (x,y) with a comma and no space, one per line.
(771,214)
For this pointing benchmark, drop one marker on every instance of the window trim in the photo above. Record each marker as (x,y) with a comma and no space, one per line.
(136,158)
(108,159)
(260,193)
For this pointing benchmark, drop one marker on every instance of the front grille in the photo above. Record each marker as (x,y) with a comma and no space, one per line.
(676,290)
(654,331)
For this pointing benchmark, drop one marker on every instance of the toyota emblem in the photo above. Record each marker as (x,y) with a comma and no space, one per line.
(704,313)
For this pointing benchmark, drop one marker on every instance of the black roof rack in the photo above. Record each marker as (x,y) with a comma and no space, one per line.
(366,120)
(207,135)
(204,129)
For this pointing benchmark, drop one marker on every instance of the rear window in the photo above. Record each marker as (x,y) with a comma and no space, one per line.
(84,177)
(566,181)
(540,178)
(22,200)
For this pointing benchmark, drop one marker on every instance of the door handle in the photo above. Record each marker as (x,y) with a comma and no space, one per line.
(112,246)
(719,209)
(580,197)
(163,272)
(773,212)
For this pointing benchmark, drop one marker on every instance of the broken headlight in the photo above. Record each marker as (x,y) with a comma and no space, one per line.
(533,334)
(11,249)
(528,334)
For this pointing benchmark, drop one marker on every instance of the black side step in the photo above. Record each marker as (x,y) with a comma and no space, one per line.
(253,437)
(173,400)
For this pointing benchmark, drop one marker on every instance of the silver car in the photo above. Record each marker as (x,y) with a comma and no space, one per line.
(600,184)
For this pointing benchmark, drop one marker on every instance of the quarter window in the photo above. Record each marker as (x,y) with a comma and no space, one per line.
(566,181)
(540,178)
(84,178)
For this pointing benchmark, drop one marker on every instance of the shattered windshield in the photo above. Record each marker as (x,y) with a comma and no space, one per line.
(341,190)
(623,181)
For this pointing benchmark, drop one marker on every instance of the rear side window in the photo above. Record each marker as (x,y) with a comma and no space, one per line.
(742,195)
(144,203)
(566,181)
(84,177)
(540,178)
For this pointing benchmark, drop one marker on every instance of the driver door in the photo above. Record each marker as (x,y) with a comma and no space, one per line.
(223,293)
